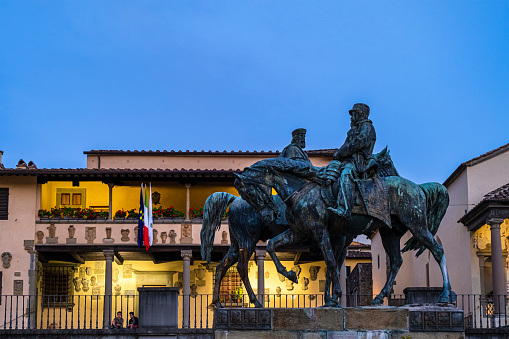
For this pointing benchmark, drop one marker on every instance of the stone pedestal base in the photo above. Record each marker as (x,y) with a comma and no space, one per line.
(363,322)
(51,240)
(186,240)
(422,295)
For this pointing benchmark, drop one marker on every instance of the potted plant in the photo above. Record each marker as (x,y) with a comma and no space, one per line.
(132,214)
(79,213)
(238,294)
(44,214)
(178,214)
(157,212)
(171,213)
(90,214)
(103,215)
(196,213)
(67,212)
(120,214)
(55,213)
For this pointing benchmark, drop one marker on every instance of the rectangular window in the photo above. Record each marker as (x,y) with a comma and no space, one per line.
(0,288)
(57,284)
(4,203)
(71,197)
(76,199)
(348,270)
(65,199)
(231,291)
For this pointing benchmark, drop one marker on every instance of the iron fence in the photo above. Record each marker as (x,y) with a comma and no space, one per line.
(484,311)
(197,311)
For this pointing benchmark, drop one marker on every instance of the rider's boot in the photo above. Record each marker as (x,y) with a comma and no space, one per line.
(345,198)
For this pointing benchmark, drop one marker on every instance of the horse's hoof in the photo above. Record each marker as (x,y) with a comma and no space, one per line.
(449,298)
(333,303)
(377,301)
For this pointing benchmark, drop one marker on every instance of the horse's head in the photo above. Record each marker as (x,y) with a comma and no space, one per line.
(385,165)
(258,196)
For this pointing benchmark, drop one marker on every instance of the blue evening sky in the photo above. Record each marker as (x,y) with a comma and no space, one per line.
(241,75)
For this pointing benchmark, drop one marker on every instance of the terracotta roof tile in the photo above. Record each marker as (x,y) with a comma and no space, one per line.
(501,193)
(326,152)
(487,154)
(59,171)
(476,160)
(356,244)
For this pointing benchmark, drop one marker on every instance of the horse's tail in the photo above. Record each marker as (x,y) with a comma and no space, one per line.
(437,201)
(213,211)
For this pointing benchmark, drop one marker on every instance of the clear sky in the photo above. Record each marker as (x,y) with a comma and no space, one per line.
(241,75)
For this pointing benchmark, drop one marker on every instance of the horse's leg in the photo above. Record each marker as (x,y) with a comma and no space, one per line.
(288,237)
(425,237)
(321,235)
(340,249)
(229,259)
(242,266)
(391,243)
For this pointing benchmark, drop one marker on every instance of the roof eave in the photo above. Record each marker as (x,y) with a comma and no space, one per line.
(486,209)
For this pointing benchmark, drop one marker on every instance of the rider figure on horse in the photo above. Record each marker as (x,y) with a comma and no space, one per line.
(295,150)
(354,158)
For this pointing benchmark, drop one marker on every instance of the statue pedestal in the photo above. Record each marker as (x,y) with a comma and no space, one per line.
(422,295)
(361,322)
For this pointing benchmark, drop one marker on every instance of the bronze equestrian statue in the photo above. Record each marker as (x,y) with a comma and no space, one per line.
(372,196)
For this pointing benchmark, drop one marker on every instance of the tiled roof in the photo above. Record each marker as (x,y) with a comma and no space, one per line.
(488,155)
(358,254)
(501,193)
(358,245)
(86,174)
(497,196)
(110,170)
(476,160)
(324,152)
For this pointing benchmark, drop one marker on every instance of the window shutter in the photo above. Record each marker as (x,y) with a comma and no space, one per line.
(4,203)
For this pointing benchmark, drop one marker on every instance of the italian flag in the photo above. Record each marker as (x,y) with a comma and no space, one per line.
(148,234)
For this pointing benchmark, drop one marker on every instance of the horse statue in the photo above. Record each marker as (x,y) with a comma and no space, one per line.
(408,207)
(246,229)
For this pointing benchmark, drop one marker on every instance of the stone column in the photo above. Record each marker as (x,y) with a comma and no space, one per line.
(260,257)
(497,261)
(187,255)
(108,255)
(342,283)
(482,261)
(110,202)
(188,201)
(32,289)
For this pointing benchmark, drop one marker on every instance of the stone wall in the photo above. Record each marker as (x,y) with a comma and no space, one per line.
(358,323)
(359,286)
